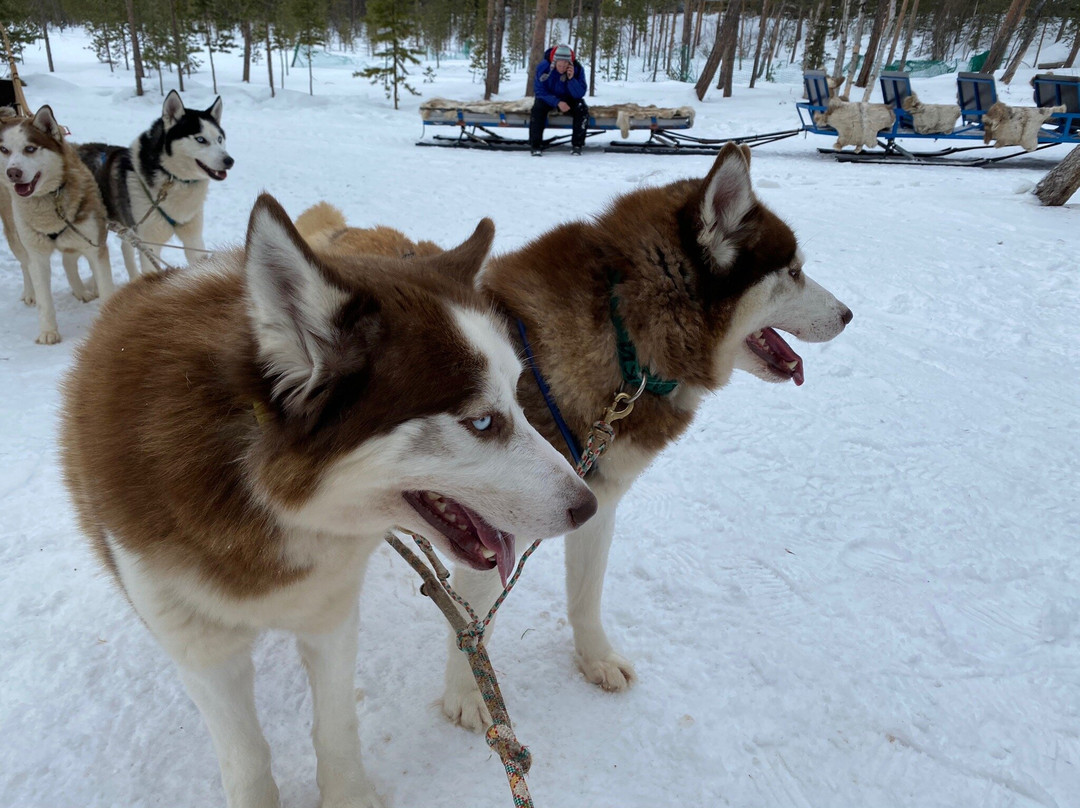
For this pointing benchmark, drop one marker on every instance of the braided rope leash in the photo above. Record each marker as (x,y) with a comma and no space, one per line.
(515,757)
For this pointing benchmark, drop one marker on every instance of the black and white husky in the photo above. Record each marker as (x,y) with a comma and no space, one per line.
(157,187)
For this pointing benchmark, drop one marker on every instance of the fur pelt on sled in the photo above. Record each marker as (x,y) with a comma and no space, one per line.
(856,123)
(624,115)
(1015,126)
(931,119)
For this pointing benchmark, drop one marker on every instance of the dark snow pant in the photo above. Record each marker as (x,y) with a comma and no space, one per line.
(538,120)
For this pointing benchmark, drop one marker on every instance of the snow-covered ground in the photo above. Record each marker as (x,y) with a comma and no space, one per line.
(860,592)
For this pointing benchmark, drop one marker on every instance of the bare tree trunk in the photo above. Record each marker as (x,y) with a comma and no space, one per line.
(697,25)
(245,31)
(684,50)
(497,56)
(799,14)
(48,47)
(860,23)
(270,59)
(536,49)
(1038,50)
(1062,181)
(671,43)
(136,54)
(108,46)
(177,47)
(727,67)
(711,63)
(1075,49)
(896,32)
(210,50)
(760,40)
(872,78)
(841,48)
(592,47)
(910,34)
(874,43)
(489,48)
(1027,34)
(1004,35)
(774,36)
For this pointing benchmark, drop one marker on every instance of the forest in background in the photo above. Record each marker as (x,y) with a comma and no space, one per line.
(702,42)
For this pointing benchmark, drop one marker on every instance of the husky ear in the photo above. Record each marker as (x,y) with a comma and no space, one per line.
(464,261)
(45,121)
(214,110)
(726,199)
(172,110)
(292,305)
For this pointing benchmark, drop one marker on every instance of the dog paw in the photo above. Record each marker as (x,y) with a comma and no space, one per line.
(612,672)
(48,338)
(86,295)
(29,299)
(467,709)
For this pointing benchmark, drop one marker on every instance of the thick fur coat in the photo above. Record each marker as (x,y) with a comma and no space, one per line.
(238,438)
(50,203)
(703,276)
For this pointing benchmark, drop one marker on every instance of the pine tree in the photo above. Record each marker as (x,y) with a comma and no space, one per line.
(308,19)
(390,26)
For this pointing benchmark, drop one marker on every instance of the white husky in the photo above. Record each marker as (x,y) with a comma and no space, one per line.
(158,185)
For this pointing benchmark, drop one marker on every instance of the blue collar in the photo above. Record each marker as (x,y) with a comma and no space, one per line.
(567,435)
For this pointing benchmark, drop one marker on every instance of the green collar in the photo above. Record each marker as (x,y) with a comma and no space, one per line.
(632,371)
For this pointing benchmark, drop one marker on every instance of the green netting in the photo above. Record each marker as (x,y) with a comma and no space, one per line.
(925,68)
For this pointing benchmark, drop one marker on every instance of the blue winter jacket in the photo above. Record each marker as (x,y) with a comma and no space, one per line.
(551,87)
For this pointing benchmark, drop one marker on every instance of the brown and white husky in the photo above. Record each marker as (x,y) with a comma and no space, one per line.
(50,202)
(238,437)
(680,285)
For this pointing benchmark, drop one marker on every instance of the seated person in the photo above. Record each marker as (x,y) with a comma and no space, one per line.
(560,84)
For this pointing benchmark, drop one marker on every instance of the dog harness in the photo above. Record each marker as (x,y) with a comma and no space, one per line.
(68,225)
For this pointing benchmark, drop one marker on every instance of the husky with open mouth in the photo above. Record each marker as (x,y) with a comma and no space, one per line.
(239,437)
(158,185)
(50,203)
(669,291)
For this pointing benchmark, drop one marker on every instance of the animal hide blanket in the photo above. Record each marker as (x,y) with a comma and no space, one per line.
(931,119)
(1015,126)
(856,124)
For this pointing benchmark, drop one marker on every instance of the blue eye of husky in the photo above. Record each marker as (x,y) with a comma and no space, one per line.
(481,424)
(201,139)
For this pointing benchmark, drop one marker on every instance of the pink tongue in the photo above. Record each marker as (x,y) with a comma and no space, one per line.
(501,543)
(24,188)
(783,351)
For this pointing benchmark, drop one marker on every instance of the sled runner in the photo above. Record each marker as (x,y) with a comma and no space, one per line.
(477,122)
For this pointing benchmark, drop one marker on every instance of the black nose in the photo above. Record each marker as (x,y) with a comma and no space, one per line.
(847,315)
(229,162)
(583,511)
(14,174)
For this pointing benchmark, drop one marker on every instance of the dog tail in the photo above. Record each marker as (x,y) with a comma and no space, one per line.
(319,219)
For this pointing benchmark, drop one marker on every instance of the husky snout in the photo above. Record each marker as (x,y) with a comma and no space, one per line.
(583,511)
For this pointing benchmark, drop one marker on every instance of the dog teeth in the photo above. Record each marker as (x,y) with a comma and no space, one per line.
(488,554)
(792,365)
(432,496)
